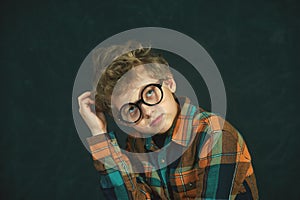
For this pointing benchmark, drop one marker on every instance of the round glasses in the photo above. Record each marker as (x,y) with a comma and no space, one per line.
(151,95)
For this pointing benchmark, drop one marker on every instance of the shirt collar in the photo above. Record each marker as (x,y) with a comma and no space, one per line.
(182,129)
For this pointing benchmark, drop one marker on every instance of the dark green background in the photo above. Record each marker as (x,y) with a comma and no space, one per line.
(255,44)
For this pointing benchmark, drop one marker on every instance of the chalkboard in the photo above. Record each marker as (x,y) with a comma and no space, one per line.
(255,45)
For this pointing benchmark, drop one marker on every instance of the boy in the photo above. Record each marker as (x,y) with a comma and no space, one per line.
(138,90)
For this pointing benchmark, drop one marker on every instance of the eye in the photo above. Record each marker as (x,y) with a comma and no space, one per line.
(149,93)
(131,109)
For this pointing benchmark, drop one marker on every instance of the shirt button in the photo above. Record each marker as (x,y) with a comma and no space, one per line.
(162,161)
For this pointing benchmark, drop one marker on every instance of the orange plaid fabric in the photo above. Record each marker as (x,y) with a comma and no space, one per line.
(215,163)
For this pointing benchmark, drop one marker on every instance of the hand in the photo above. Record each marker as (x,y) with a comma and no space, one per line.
(96,122)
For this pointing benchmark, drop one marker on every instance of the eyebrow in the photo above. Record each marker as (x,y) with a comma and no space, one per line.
(140,93)
(144,86)
(139,97)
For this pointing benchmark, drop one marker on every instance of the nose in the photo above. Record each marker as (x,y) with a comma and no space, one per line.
(147,111)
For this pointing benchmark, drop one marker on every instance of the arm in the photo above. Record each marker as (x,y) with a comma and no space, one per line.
(225,163)
(115,168)
(116,177)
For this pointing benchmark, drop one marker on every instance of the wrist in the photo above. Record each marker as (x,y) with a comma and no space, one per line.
(98,132)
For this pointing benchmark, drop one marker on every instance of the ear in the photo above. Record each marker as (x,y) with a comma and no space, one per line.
(171,84)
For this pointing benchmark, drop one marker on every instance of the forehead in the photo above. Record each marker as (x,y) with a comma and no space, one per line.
(129,89)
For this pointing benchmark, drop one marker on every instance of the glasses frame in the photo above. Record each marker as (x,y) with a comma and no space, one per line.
(140,101)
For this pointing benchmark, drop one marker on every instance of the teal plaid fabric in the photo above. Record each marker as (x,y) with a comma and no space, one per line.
(215,162)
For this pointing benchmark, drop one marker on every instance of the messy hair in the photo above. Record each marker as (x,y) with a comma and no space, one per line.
(113,62)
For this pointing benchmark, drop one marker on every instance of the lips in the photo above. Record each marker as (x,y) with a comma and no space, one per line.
(157,120)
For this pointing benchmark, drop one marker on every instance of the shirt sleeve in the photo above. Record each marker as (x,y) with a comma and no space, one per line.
(116,179)
(225,163)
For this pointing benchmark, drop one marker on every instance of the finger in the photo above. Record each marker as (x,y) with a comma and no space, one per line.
(84,95)
(85,105)
(86,102)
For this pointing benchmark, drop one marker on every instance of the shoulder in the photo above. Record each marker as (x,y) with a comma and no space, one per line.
(216,127)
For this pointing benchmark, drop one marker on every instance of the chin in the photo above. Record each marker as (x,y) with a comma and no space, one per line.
(166,124)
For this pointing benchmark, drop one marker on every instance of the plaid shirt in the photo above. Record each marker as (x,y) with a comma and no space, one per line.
(215,163)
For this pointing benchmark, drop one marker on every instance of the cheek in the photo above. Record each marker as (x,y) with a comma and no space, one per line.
(169,105)
(140,126)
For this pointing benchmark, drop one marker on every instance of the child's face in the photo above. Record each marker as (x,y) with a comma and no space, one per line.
(154,107)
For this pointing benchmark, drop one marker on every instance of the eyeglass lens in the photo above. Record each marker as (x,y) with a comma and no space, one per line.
(151,95)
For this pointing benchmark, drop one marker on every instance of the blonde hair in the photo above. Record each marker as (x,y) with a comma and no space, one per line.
(113,62)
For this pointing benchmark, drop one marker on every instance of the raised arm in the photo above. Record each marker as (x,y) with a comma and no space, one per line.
(116,178)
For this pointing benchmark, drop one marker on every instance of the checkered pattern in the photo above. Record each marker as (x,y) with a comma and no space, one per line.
(215,163)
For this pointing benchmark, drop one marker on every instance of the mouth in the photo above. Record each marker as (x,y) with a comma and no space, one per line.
(157,120)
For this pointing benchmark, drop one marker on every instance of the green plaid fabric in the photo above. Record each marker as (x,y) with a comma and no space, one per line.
(215,162)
